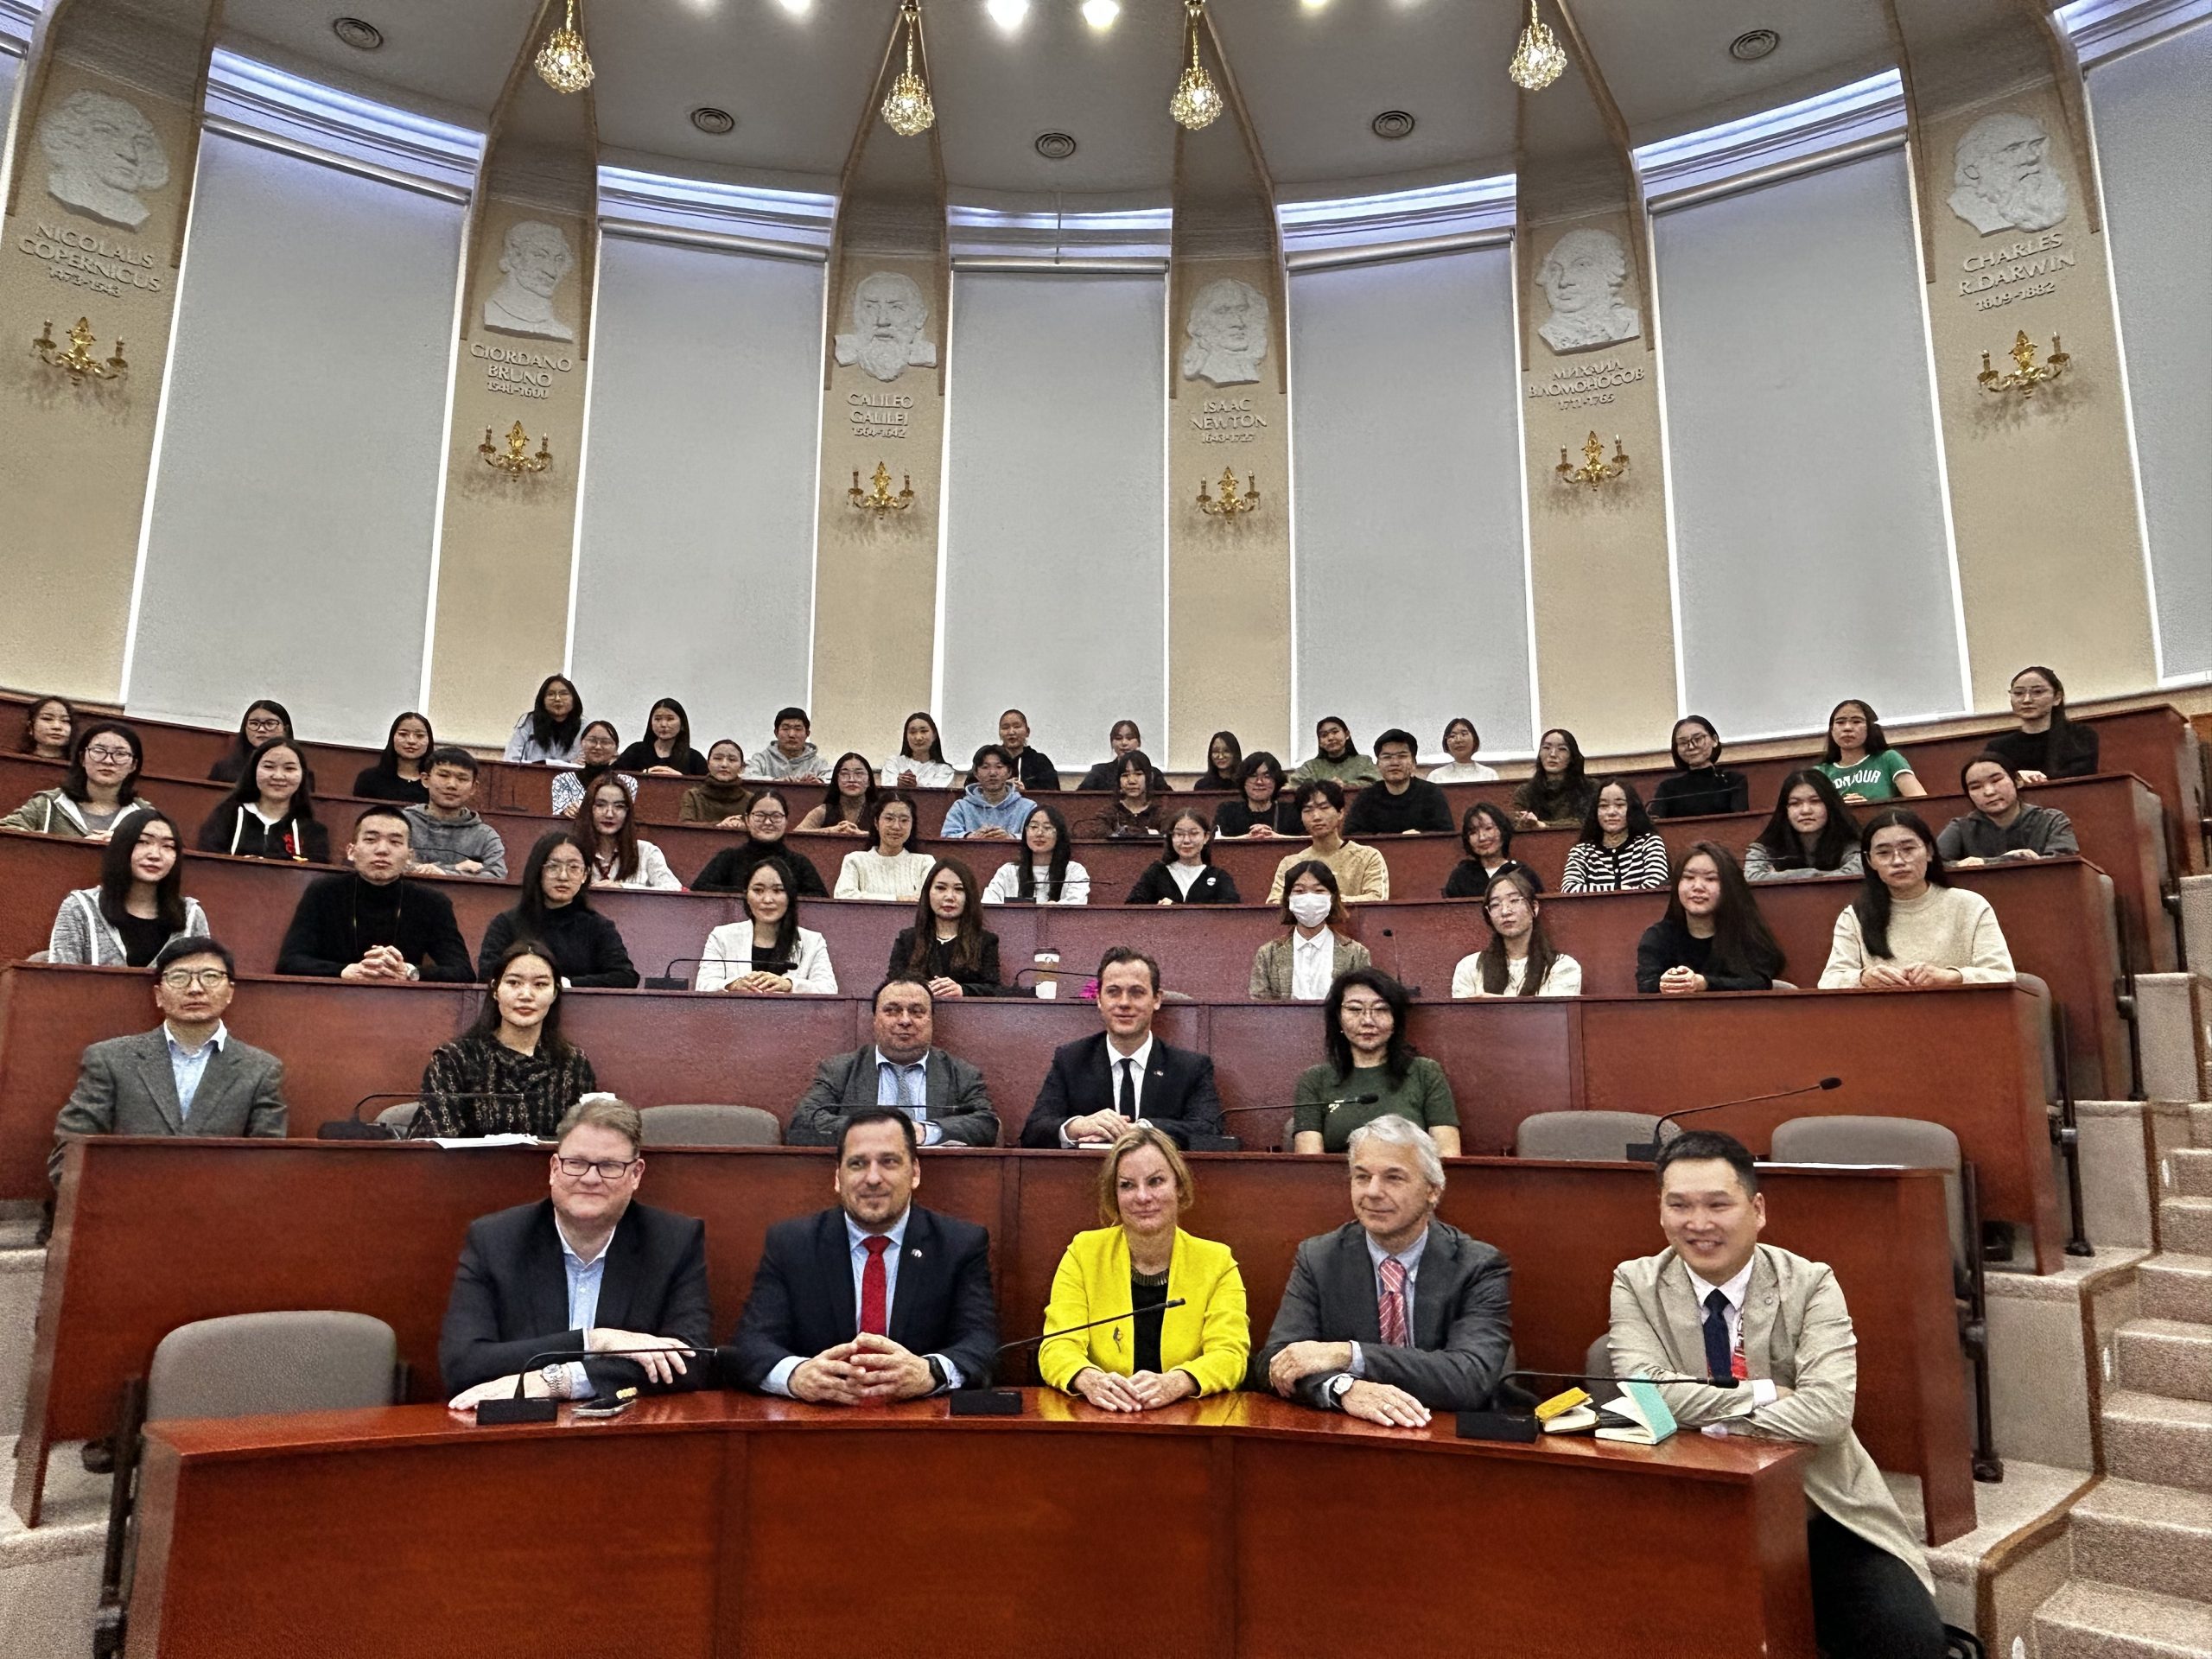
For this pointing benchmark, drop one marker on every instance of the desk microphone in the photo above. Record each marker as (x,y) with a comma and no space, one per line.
(1068,1331)
(519,1408)
(1007,1402)
(669,980)
(1523,1428)
(1326,1105)
(1647,1152)
(1398,962)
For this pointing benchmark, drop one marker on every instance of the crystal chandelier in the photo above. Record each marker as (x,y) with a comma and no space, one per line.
(1198,100)
(563,63)
(1538,60)
(906,108)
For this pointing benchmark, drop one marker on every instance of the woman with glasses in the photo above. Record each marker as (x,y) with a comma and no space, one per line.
(512,1072)
(1519,959)
(264,722)
(765,821)
(586,947)
(1372,1070)
(2047,745)
(1910,928)
(100,785)
(139,906)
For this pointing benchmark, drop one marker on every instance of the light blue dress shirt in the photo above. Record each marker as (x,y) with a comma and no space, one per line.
(1409,1259)
(907,1087)
(584,1281)
(189,1065)
(778,1381)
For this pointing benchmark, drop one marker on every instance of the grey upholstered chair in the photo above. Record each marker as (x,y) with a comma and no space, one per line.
(710,1126)
(1603,1137)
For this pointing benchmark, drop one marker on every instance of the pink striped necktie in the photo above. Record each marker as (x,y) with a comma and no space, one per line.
(1392,1307)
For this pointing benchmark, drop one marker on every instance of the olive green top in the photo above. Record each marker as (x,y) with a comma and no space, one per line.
(1424,1097)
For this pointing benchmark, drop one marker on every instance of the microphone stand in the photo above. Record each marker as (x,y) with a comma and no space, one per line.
(1007,1402)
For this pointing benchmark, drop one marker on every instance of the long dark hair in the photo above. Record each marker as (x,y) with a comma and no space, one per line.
(1213,777)
(1639,821)
(1498,815)
(1398,1057)
(1785,848)
(388,762)
(1168,836)
(242,746)
(28,744)
(833,800)
(1056,862)
(530,908)
(549,732)
(78,788)
(786,946)
(488,1017)
(1743,944)
(1545,793)
(966,951)
(626,836)
(116,875)
(247,790)
(1877,739)
(2060,742)
(680,752)
(1872,903)
(937,740)
(1492,962)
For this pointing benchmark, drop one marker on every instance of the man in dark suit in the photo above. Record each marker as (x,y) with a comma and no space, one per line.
(875,1300)
(900,1069)
(585,1270)
(1395,1313)
(1100,1087)
(189,1076)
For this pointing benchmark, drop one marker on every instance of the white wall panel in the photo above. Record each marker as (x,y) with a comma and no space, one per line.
(2149,113)
(1810,533)
(1411,562)
(1054,588)
(697,578)
(294,503)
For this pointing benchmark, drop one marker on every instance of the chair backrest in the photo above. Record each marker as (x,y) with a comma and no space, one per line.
(400,1119)
(2040,989)
(710,1126)
(1905,1142)
(1601,1136)
(1598,1361)
(249,1364)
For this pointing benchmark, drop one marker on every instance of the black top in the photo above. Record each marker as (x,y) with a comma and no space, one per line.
(142,938)
(1376,811)
(227,770)
(1700,791)
(1669,944)
(375,784)
(1104,774)
(1212,782)
(982,981)
(1034,770)
(586,947)
(1236,817)
(641,756)
(232,829)
(1148,1298)
(729,870)
(1469,879)
(2030,752)
(1211,887)
(339,917)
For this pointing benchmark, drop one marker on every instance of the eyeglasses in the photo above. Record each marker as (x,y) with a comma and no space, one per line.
(1366,1011)
(264,724)
(192,979)
(564,867)
(770,816)
(112,756)
(610,1169)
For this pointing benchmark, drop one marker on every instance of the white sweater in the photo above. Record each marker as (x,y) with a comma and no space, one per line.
(1565,978)
(1945,927)
(1467,772)
(868,874)
(652,872)
(728,956)
(1005,886)
(928,774)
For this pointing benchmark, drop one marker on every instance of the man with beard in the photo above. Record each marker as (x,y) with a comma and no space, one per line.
(2003,180)
(888,316)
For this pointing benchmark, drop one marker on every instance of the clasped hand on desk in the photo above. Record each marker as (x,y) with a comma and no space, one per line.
(661,1368)
(869,1368)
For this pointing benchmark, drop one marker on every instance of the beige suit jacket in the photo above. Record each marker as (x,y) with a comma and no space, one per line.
(1796,1331)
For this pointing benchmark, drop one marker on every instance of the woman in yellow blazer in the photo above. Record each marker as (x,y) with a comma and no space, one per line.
(1141,1260)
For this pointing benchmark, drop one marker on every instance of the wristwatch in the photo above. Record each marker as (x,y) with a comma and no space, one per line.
(556,1381)
(937,1377)
(1336,1386)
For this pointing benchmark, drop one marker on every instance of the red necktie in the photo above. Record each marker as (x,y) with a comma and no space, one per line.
(1392,1307)
(873,1319)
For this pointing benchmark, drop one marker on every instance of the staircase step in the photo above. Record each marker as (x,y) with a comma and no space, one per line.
(2158,1442)
(2171,1357)
(2089,1620)
(2185,1224)
(2139,1537)
(2177,1287)
(2200,1116)
(2192,1167)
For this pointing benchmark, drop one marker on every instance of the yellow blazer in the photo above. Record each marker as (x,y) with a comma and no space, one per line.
(1209,1336)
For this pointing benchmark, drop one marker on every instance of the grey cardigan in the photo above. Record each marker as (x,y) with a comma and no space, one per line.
(84,937)
(2043,830)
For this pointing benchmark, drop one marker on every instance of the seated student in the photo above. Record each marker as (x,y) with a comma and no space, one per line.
(1302,964)
(619,859)
(270,813)
(1486,833)
(991,808)
(1372,1070)
(400,772)
(444,835)
(552,909)
(846,799)
(1445,1352)
(100,785)
(1047,876)
(766,820)
(767,953)
(1335,760)
(1618,850)
(888,866)
(1102,1086)
(1713,937)
(666,747)
(1185,873)
(1401,804)
(139,906)
(48,724)
(1858,760)
(1134,812)
(2001,825)
(2046,744)
(904,1070)
(920,762)
(1811,833)
(1910,926)
(720,800)
(1032,768)
(595,752)
(792,758)
(1187,1333)
(1519,959)
(1775,1322)
(585,1270)
(1106,775)
(875,1298)
(512,1072)
(1557,795)
(1698,787)
(1261,809)
(552,732)
(264,722)
(947,947)
(188,1075)
(1461,740)
(372,922)
(1224,765)
(1362,876)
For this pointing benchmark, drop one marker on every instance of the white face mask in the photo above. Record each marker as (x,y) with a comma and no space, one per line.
(1309,909)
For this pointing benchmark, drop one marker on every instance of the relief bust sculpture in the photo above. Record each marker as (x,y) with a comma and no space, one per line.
(1582,277)
(1228,330)
(101,153)
(534,258)
(888,314)
(2002,175)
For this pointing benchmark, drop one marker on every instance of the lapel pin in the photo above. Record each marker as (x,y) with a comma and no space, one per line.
(917,1254)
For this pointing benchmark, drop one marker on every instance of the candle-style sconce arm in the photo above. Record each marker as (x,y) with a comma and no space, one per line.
(78,361)
(514,458)
(2027,377)
(1595,469)
(1230,504)
(877,498)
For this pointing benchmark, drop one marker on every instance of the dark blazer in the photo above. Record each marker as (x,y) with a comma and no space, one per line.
(802,1299)
(1179,1092)
(125,1086)
(982,981)
(1463,1321)
(954,1094)
(510,1300)
(1213,887)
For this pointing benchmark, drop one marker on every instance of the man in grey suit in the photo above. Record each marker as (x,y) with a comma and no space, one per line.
(1395,1313)
(190,1076)
(901,1069)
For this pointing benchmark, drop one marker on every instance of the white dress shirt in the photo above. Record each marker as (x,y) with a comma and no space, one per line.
(1762,1389)
(1312,964)
(1138,1061)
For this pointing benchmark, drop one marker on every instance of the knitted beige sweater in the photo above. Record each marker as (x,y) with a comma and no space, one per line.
(1945,927)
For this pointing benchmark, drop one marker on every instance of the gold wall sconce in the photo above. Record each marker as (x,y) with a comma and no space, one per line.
(515,460)
(1230,503)
(1595,469)
(2029,375)
(78,362)
(877,498)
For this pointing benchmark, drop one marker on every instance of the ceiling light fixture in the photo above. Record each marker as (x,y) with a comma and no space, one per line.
(563,63)
(798,8)
(1196,102)
(1538,60)
(357,33)
(1008,14)
(906,108)
(1101,14)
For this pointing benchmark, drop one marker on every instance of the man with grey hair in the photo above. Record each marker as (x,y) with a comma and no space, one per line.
(2002,175)
(1228,330)
(1395,1313)
(101,153)
(1582,277)
(889,314)
(533,259)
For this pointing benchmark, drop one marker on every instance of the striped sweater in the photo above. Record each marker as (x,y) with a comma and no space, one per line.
(1640,862)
